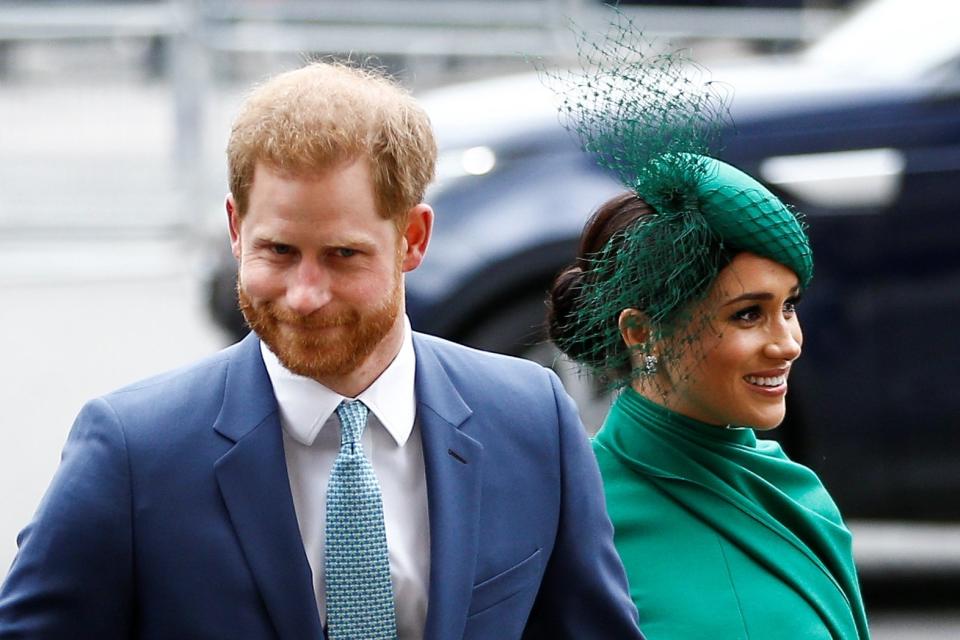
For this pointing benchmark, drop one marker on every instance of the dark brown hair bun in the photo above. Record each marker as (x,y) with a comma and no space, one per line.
(564,302)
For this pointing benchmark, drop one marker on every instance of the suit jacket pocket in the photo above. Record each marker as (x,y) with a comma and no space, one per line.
(505,584)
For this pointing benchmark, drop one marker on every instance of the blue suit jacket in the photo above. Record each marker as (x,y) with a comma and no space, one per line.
(171,514)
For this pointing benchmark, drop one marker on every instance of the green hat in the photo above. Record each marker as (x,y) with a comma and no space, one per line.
(651,118)
(748,217)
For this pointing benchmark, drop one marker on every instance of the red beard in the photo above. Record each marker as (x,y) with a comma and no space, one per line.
(324,344)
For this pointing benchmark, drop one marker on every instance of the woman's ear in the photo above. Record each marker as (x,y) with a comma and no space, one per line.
(634,327)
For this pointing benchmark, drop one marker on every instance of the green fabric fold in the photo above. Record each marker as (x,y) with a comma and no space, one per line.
(772,518)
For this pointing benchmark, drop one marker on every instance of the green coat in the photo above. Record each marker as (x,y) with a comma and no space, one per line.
(721,534)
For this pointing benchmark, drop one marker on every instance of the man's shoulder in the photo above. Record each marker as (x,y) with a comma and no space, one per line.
(481,378)
(454,355)
(183,386)
(185,374)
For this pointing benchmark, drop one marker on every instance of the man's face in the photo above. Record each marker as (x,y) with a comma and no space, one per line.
(320,277)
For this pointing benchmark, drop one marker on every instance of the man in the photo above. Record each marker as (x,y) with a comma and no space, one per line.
(333,473)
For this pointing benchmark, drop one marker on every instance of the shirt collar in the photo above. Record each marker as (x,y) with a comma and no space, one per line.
(306,405)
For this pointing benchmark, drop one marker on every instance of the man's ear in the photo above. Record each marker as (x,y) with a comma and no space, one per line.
(634,327)
(416,236)
(233,222)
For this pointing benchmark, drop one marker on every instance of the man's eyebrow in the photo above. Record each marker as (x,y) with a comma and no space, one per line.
(358,241)
(758,296)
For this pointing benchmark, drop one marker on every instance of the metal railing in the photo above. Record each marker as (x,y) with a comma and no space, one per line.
(22,21)
(196,32)
(452,27)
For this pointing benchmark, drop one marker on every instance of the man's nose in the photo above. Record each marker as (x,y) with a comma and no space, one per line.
(308,288)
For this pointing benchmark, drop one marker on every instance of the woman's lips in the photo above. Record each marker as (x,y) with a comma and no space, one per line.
(768,383)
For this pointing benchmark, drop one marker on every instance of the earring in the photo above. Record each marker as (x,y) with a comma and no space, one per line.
(649,365)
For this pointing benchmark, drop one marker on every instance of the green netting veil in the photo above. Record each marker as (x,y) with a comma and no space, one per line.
(652,119)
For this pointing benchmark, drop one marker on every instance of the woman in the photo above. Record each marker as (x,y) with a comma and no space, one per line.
(684,296)
(721,534)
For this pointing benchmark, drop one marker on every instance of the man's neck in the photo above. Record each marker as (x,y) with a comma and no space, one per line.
(354,383)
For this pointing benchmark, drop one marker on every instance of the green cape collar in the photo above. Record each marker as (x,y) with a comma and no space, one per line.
(775,510)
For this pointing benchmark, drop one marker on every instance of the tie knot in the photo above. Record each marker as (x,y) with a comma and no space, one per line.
(353,418)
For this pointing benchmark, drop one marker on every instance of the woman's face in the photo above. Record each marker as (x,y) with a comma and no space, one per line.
(735,369)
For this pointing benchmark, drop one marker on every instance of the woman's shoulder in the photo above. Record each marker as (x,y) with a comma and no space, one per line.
(641,510)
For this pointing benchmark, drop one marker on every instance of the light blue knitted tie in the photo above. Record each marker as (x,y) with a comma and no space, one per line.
(356,562)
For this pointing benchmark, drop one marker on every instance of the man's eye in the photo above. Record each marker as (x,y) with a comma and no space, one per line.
(281,249)
(344,252)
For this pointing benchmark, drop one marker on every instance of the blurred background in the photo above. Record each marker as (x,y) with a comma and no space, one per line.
(114,262)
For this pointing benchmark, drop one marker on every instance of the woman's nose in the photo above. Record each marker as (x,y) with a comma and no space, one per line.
(785,343)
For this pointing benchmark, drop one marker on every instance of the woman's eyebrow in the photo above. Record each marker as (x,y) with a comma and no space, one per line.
(758,296)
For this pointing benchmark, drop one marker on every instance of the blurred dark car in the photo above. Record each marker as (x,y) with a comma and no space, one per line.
(862,133)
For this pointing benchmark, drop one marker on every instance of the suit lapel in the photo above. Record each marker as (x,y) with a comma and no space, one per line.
(452,462)
(253,481)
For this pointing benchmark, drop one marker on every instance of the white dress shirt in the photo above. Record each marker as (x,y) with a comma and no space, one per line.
(392,443)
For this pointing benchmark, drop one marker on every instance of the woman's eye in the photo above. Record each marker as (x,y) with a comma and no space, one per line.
(750,314)
(790,306)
